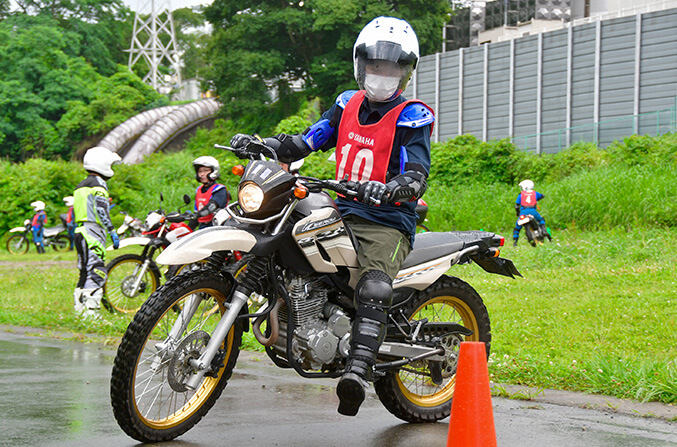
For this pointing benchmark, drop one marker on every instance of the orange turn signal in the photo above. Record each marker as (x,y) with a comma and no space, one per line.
(496,253)
(238,170)
(300,192)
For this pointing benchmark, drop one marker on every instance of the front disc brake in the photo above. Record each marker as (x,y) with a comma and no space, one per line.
(179,368)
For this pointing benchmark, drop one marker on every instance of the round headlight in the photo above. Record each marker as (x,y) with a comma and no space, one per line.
(250,197)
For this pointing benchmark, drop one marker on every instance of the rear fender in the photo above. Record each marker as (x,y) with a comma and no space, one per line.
(202,243)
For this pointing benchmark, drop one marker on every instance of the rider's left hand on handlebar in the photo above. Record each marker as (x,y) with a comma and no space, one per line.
(116,239)
(372,193)
(240,141)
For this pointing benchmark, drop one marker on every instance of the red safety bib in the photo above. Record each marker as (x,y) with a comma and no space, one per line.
(363,151)
(528,199)
(203,198)
(36,218)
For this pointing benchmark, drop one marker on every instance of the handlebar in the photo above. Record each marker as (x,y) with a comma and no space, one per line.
(180,217)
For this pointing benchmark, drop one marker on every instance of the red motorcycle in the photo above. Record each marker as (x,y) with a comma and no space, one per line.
(133,278)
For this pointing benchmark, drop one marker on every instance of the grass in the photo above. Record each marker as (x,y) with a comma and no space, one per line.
(595,311)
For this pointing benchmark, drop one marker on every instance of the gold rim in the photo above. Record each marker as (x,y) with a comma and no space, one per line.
(414,382)
(156,404)
(117,298)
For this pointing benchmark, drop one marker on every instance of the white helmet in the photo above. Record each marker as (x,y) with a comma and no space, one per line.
(38,205)
(384,57)
(101,160)
(527,185)
(208,162)
(69,200)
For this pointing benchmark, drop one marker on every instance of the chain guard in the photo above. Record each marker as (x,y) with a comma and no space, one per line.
(179,368)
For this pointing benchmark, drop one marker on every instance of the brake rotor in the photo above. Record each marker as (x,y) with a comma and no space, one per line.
(179,369)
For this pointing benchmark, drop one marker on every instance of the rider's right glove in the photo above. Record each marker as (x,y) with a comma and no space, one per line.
(247,145)
(116,239)
(372,193)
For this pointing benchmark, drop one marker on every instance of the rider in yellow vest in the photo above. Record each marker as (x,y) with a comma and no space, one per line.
(92,219)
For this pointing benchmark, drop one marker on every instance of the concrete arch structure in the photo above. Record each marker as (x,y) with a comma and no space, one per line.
(130,130)
(170,126)
(152,130)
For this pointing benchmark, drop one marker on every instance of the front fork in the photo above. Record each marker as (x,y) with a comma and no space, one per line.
(202,364)
(141,272)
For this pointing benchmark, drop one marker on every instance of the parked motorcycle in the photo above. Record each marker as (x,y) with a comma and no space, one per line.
(54,237)
(133,278)
(130,227)
(177,355)
(534,232)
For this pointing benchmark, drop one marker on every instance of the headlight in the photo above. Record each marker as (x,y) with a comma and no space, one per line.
(250,197)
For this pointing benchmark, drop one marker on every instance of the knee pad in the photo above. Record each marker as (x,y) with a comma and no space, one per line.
(374,289)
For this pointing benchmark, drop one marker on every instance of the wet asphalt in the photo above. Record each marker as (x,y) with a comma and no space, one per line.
(56,393)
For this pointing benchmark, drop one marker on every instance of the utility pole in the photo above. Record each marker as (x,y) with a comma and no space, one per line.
(153,23)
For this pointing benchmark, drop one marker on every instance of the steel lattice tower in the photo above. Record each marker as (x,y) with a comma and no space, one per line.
(153,24)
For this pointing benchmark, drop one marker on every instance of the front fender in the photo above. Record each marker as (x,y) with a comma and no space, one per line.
(18,229)
(126,242)
(202,243)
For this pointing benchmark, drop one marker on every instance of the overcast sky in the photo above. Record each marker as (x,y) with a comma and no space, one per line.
(136,5)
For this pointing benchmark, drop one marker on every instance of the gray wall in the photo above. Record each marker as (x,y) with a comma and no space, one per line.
(558,84)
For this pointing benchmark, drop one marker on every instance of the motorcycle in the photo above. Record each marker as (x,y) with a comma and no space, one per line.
(130,227)
(54,237)
(133,278)
(534,232)
(177,354)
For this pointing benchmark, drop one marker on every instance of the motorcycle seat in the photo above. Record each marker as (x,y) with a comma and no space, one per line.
(53,231)
(430,246)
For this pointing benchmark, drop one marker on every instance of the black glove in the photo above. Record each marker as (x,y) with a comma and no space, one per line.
(372,193)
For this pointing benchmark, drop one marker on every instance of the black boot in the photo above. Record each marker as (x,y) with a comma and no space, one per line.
(514,242)
(545,232)
(367,335)
(373,294)
(40,248)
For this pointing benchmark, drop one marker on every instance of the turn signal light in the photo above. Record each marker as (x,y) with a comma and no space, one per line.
(498,252)
(238,170)
(300,192)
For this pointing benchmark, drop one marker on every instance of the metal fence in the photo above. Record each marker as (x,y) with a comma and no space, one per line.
(595,82)
(603,133)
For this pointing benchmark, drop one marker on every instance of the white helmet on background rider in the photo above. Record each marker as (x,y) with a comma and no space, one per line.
(385,55)
(100,160)
(208,162)
(526,185)
(69,201)
(38,205)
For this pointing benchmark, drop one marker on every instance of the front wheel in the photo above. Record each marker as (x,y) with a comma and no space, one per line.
(150,398)
(17,244)
(411,393)
(127,286)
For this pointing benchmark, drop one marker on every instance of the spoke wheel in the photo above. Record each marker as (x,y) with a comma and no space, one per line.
(17,244)
(60,243)
(151,401)
(123,273)
(410,393)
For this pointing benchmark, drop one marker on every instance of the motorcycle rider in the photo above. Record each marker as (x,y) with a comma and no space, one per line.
(209,196)
(38,224)
(526,203)
(382,141)
(92,219)
(70,221)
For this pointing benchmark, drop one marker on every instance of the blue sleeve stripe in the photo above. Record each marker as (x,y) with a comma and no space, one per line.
(404,158)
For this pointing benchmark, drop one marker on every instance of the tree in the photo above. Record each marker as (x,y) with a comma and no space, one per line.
(191,39)
(100,29)
(43,81)
(265,46)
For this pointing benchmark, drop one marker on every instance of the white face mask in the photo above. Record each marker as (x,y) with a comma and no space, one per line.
(380,88)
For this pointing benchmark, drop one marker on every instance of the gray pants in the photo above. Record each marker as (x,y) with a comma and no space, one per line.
(90,242)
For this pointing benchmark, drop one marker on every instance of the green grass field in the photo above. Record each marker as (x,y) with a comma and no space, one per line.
(595,312)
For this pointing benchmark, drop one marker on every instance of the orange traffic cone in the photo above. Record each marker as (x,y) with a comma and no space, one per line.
(471,423)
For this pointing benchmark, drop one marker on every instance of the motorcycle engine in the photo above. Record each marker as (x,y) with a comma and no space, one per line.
(321,329)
